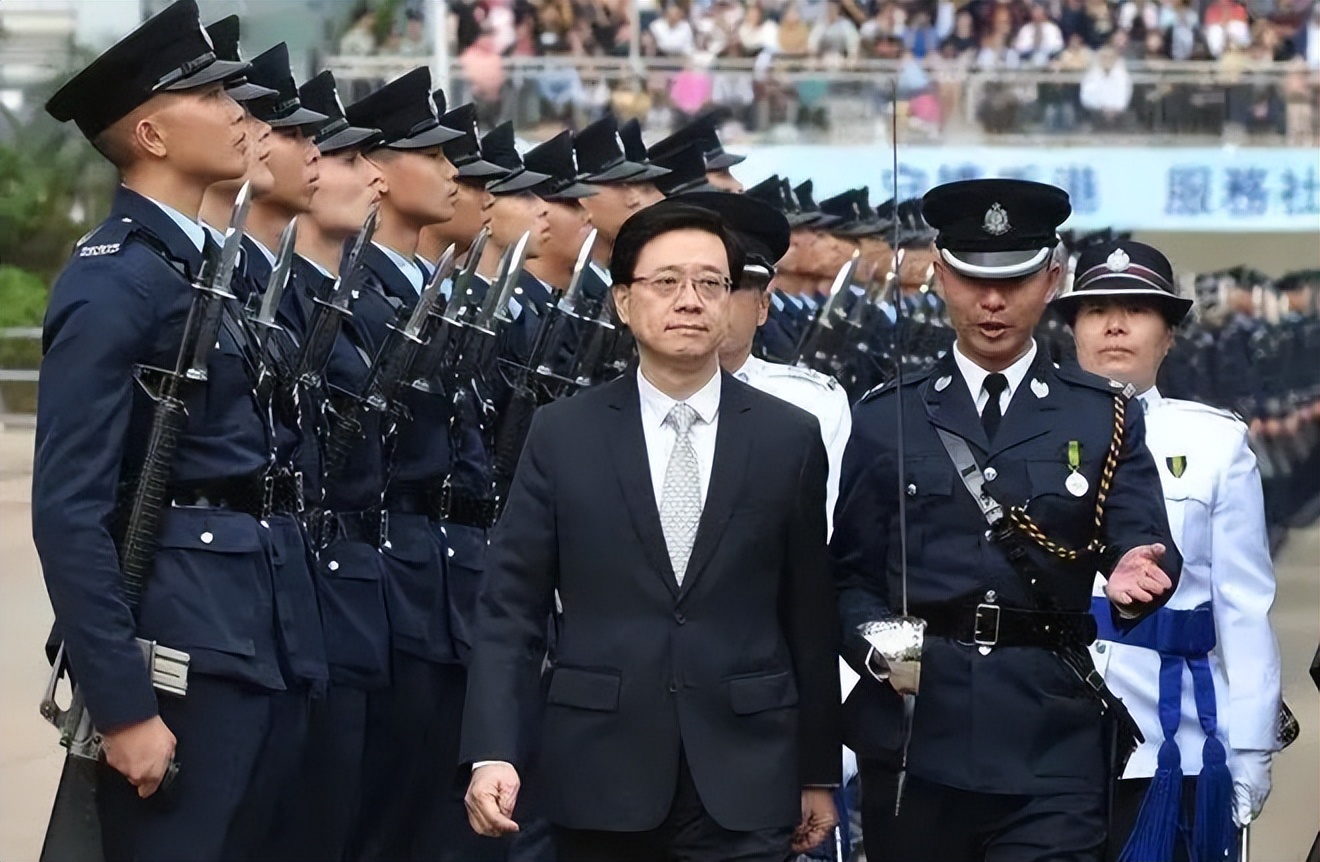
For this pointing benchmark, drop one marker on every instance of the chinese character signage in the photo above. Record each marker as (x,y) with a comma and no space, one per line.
(1128,188)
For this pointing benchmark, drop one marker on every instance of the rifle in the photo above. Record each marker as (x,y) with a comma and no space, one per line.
(331,310)
(821,341)
(516,419)
(265,319)
(442,329)
(73,833)
(389,370)
(476,344)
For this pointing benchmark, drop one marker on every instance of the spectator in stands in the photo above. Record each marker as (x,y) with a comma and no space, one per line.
(794,33)
(360,40)
(1061,106)
(673,32)
(1306,41)
(834,35)
(1225,24)
(949,68)
(1073,20)
(886,22)
(757,33)
(1299,96)
(921,38)
(998,110)
(413,42)
(483,71)
(1183,31)
(1101,22)
(962,41)
(1107,90)
(1040,40)
(1152,48)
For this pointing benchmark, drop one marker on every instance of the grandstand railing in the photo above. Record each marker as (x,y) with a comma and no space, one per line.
(821,99)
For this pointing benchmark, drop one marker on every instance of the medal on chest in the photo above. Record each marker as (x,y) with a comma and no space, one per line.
(1076,483)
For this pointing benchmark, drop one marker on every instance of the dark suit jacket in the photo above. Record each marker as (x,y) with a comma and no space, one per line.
(1015,720)
(738,667)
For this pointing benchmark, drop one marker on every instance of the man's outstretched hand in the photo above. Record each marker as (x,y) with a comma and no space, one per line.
(491,796)
(1138,582)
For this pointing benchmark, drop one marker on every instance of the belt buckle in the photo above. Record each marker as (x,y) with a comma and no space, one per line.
(985,630)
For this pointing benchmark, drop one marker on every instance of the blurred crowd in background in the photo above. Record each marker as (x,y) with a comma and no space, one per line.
(1138,66)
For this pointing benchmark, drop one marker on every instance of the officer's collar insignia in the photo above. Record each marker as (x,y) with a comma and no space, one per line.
(1115,384)
(996,220)
(1177,465)
(943,383)
(1040,388)
(1118,261)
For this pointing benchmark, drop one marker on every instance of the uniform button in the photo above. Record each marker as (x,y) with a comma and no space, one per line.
(333,566)
(988,534)
(912,490)
(207,538)
(991,474)
(451,552)
(679,618)
(1100,648)
(265,524)
(673,686)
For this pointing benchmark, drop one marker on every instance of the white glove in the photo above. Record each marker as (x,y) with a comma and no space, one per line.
(1251,783)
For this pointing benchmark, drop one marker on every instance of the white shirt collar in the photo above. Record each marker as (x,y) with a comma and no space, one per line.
(409,268)
(1150,398)
(974,375)
(656,404)
(749,369)
(319,268)
(192,229)
(266,253)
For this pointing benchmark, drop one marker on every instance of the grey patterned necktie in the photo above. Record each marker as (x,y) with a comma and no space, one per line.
(680,501)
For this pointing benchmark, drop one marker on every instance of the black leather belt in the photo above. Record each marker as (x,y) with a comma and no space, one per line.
(993,625)
(277,492)
(440,502)
(369,527)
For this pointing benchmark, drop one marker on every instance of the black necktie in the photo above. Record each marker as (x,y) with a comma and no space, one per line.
(995,384)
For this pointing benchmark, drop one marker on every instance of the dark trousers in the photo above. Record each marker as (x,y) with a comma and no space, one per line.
(688,834)
(411,765)
(220,728)
(1127,799)
(317,813)
(942,823)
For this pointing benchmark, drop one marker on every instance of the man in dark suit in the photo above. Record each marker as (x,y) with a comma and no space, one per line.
(691,705)
(1006,758)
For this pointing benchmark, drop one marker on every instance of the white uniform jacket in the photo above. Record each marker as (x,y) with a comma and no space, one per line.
(1213,493)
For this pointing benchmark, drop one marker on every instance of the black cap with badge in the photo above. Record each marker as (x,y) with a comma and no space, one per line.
(634,149)
(404,112)
(321,95)
(1124,271)
(464,152)
(702,131)
(760,228)
(996,228)
(170,52)
(601,155)
(498,148)
(687,171)
(224,36)
(555,159)
(811,214)
(283,111)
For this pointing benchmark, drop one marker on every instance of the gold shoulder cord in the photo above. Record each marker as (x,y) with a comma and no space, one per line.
(1023,522)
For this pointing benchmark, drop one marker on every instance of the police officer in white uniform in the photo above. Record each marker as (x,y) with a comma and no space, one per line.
(1201,675)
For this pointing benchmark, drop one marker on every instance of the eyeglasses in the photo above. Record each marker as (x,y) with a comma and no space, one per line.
(667,283)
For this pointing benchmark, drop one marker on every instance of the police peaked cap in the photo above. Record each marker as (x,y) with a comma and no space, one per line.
(224,35)
(554,158)
(320,94)
(634,149)
(404,112)
(996,228)
(464,151)
(498,148)
(687,171)
(170,52)
(285,111)
(760,229)
(601,155)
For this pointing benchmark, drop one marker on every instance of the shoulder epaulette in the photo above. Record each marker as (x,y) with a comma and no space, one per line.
(1075,374)
(892,384)
(797,372)
(107,238)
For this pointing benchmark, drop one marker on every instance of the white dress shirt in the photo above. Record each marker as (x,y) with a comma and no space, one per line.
(660,437)
(409,268)
(1217,518)
(819,395)
(974,376)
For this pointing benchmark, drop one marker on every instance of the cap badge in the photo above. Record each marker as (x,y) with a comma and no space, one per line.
(996,220)
(1118,261)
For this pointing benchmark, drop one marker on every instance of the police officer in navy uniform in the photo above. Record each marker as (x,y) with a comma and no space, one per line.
(155,106)
(1006,748)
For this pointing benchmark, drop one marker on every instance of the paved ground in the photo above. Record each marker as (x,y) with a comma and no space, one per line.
(30,757)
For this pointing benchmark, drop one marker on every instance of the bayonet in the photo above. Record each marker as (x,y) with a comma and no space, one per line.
(463,281)
(279,280)
(331,309)
(218,282)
